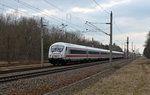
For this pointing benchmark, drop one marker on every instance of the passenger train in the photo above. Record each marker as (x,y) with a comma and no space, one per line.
(62,53)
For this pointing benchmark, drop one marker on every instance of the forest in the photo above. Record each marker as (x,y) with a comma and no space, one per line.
(20,38)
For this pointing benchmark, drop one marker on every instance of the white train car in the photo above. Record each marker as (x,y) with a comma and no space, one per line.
(62,53)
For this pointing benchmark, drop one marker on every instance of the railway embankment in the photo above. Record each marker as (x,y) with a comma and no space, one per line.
(14,66)
(133,79)
(53,82)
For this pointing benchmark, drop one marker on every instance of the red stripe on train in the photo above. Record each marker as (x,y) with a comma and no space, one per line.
(85,56)
(76,55)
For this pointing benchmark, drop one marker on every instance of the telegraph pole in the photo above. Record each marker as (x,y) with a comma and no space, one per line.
(110,47)
(135,51)
(42,53)
(92,42)
(127,47)
(132,50)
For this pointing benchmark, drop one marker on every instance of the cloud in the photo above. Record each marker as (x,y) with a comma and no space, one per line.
(24,12)
(138,38)
(45,12)
(18,12)
(82,10)
(104,5)
(11,11)
(112,3)
(124,21)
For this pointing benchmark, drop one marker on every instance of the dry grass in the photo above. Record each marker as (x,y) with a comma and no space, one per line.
(133,79)
(22,66)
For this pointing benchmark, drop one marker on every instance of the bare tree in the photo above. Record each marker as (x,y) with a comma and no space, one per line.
(147,46)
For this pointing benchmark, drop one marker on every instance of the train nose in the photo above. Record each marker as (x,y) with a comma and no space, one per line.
(55,56)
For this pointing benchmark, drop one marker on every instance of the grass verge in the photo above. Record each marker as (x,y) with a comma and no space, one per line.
(133,79)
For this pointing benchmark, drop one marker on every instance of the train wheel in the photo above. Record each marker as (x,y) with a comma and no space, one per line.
(89,60)
(63,63)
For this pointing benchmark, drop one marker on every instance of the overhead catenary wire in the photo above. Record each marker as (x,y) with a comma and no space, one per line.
(57,19)
(20,11)
(95,27)
(29,6)
(118,27)
(45,13)
(100,30)
(37,9)
(52,16)
(101,7)
(54,6)
(4,5)
(119,30)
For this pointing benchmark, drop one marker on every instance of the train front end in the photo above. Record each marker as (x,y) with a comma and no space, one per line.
(56,54)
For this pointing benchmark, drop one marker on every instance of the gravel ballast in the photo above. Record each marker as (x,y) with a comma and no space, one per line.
(43,84)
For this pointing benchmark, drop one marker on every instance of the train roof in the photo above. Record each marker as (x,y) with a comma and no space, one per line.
(83,47)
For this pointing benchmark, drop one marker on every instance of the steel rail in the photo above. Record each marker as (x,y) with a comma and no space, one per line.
(46,72)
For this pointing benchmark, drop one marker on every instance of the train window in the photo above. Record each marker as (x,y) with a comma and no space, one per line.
(92,52)
(105,53)
(115,54)
(57,48)
(77,52)
(102,52)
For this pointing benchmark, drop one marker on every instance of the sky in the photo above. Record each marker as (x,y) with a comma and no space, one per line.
(131,18)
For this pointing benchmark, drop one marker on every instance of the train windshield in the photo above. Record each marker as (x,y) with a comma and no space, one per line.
(57,48)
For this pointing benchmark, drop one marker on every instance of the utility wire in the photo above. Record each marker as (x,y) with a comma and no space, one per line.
(118,28)
(52,16)
(37,10)
(53,5)
(10,7)
(100,30)
(22,12)
(95,27)
(62,11)
(101,7)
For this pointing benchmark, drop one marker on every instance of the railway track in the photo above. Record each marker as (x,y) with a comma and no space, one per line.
(24,69)
(84,82)
(45,72)
(33,68)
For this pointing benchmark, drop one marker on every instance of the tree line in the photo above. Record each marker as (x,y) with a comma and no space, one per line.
(147,46)
(20,38)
